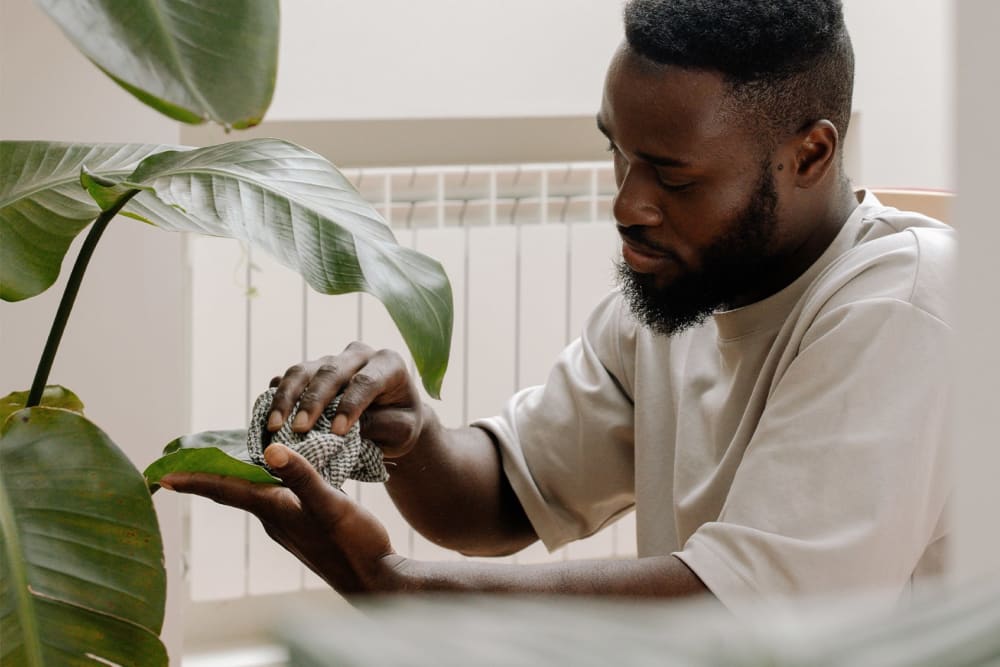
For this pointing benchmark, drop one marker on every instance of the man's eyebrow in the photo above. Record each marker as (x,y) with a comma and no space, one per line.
(658,160)
(662,160)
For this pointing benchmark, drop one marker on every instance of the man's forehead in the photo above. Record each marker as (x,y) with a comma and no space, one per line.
(642,97)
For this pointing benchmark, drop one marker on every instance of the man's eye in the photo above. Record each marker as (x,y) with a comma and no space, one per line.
(674,187)
(611,147)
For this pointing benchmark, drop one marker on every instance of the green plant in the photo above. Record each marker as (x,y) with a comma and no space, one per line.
(81,572)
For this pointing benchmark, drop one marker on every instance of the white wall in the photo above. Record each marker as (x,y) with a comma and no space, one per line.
(385,59)
(443,58)
(123,351)
(904,91)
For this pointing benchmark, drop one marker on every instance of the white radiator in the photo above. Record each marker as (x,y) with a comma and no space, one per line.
(529,252)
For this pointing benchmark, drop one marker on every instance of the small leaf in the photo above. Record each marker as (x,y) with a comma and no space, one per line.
(215,452)
(233,442)
(54,396)
(136,216)
(106,192)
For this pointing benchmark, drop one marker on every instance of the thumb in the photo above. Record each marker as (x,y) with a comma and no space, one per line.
(298,475)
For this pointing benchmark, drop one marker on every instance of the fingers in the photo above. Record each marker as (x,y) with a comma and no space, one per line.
(366,378)
(313,385)
(383,381)
(240,493)
(323,386)
(268,501)
(320,525)
(289,389)
(305,482)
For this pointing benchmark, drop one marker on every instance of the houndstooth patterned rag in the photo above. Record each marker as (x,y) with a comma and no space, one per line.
(336,457)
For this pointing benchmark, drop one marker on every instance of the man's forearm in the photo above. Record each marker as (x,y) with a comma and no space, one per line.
(654,577)
(451,488)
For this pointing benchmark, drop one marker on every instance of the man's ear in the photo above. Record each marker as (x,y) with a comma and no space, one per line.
(815,153)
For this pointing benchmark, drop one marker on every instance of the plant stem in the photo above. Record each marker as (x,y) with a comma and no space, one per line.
(69,298)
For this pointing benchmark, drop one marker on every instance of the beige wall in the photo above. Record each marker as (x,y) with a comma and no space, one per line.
(123,350)
(383,59)
(978,536)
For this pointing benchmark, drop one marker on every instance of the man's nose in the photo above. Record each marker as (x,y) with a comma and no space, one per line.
(635,203)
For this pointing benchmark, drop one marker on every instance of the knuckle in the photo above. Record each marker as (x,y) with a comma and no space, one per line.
(310,397)
(395,365)
(364,380)
(391,356)
(351,403)
(327,368)
(282,396)
(297,369)
(358,346)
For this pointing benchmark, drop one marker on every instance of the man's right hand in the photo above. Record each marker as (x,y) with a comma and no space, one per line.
(377,390)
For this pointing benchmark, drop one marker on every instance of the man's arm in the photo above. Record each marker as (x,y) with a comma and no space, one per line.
(653,577)
(452,489)
(347,546)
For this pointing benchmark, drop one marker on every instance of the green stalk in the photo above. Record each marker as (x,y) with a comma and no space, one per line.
(69,298)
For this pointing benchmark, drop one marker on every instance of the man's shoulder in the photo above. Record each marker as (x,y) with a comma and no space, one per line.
(898,256)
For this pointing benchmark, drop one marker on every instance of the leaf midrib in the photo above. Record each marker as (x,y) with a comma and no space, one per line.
(54,183)
(264,184)
(19,575)
(185,75)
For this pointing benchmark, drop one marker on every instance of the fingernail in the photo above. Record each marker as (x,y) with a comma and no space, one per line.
(274,420)
(339,425)
(165,485)
(301,419)
(276,456)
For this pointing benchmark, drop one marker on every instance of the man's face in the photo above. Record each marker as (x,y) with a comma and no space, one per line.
(697,207)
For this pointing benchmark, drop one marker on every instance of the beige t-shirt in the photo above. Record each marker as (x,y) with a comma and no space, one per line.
(794,446)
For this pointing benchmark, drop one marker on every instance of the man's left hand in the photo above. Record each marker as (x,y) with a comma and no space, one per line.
(335,537)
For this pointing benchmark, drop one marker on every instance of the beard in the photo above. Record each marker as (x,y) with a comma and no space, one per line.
(729,268)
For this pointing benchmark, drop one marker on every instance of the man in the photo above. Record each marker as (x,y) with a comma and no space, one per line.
(767,388)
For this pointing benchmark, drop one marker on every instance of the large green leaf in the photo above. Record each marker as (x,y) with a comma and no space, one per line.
(217,452)
(193,61)
(297,206)
(83,580)
(279,197)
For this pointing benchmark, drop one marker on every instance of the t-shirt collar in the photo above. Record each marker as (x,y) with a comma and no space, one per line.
(770,312)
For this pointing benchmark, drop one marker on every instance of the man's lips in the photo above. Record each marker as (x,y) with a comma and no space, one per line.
(645,259)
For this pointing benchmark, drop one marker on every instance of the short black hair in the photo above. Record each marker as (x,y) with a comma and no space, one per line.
(789,62)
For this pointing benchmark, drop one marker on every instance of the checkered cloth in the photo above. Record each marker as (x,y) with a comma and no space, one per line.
(336,457)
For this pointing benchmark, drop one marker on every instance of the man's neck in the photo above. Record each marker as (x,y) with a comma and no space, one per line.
(829,215)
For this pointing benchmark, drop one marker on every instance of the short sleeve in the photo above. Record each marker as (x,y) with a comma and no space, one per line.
(844,482)
(567,445)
